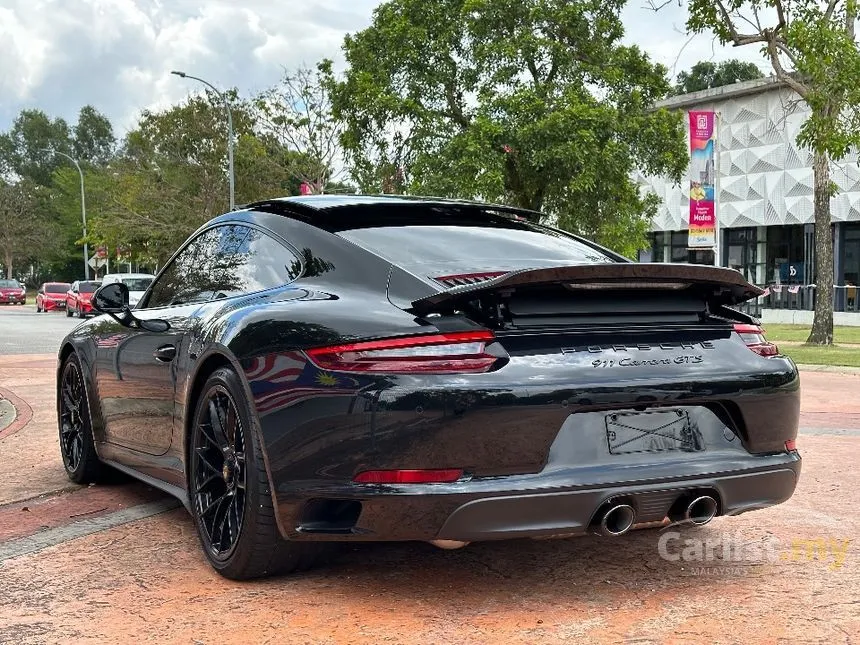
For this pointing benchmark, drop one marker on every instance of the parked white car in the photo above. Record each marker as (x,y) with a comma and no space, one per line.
(137,284)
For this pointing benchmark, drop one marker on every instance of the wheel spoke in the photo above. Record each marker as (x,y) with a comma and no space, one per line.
(217,425)
(207,481)
(209,438)
(213,504)
(67,400)
(223,510)
(208,464)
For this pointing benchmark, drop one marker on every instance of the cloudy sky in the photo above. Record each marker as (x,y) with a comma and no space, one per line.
(58,55)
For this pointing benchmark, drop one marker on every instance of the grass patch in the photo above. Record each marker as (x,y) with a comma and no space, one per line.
(799,333)
(814,355)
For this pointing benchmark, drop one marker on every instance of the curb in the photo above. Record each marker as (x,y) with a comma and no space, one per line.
(838,369)
(24,413)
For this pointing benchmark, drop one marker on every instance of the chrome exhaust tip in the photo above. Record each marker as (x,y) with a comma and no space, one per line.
(617,520)
(701,510)
(448,545)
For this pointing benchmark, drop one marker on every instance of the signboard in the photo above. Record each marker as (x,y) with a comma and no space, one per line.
(97,262)
(703,215)
(792,272)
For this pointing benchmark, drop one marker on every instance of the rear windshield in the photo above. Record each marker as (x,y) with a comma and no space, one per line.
(57,288)
(444,250)
(137,284)
(88,287)
(9,284)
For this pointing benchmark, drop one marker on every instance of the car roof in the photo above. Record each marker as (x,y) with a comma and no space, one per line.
(341,212)
(128,275)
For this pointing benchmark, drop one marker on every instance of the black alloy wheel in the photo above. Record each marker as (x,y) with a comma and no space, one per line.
(76,438)
(219,476)
(229,490)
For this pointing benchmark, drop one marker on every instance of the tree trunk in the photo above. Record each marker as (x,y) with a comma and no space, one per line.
(822,323)
(8,261)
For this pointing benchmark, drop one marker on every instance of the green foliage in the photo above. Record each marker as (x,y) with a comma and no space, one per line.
(706,75)
(24,229)
(22,149)
(534,103)
(94,140)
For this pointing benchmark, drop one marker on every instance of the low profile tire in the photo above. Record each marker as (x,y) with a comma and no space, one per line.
(76,434)
(229,490)
(68,313)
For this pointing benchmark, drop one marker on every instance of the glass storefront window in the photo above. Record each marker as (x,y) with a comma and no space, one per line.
(785,255)
(740,252)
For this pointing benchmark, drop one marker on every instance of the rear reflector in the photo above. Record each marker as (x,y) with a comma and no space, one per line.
(452,353)
(753,337)
(791,445)
(408,476)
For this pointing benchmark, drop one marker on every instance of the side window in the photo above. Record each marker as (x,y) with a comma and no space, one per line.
(222,262)
(263,263)
(173,285)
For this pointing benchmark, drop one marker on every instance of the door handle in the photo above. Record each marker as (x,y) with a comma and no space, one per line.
(165,353)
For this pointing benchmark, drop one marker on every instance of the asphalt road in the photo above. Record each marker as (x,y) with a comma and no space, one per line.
(23,331)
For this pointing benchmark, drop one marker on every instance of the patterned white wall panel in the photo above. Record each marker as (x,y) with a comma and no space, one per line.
(764,178)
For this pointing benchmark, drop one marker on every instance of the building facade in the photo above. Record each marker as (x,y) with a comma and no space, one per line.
(764,197)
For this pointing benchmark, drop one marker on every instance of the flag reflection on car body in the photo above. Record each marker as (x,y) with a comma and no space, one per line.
(280,380)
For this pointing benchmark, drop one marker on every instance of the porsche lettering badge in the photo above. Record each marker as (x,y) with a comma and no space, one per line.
(636,357)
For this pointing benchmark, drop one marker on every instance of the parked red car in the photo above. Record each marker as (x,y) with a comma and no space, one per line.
(79,298)
(12,293)
(52,295)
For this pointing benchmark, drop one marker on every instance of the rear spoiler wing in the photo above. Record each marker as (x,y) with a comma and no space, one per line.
(719,285)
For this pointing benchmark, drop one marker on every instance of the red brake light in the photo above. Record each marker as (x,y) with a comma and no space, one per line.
(442,476)
(753,337)
(791,445)
(452,353)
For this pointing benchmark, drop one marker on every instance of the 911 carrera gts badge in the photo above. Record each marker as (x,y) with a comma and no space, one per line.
(687,359)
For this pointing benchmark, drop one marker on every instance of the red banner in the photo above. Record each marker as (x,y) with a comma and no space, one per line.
(703,215)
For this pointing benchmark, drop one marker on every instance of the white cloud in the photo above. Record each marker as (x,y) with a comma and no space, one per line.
(117,54)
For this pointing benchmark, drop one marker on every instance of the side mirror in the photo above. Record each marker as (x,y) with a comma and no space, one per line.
(111,298)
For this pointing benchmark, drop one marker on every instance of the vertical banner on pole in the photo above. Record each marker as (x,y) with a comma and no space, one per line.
(703,215)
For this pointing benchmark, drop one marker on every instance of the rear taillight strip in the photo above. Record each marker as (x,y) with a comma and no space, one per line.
(449,353)
(753,338)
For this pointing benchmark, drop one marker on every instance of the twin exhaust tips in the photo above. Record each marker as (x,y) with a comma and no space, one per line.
(619,518)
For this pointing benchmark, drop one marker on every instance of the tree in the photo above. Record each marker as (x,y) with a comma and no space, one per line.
(535,103)
(94,140)
(706,75)
(811,48)
(170,176)
(22,148)
(23,229)
(297,114)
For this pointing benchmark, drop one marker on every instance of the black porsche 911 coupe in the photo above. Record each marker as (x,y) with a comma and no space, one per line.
(339,368)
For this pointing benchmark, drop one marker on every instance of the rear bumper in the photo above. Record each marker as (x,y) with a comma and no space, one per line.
(524,506)
(48,305)
(12,300)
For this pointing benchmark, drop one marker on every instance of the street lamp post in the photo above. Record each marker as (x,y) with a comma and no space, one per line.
(229,132)
(83,208)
